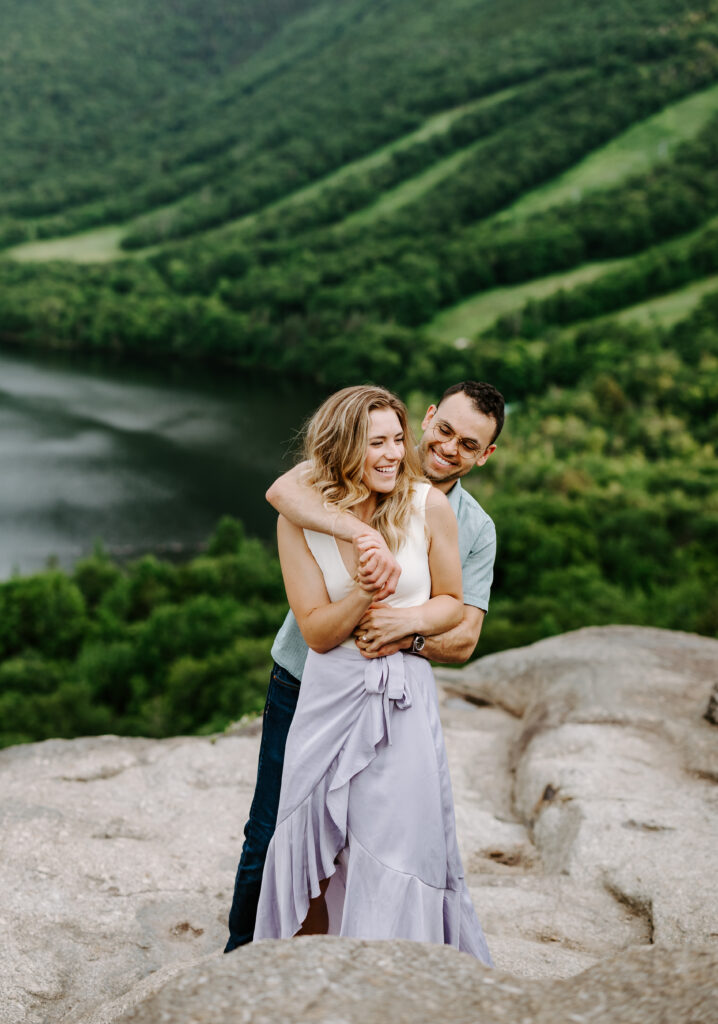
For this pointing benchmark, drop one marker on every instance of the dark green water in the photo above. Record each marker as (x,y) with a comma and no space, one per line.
(142,458)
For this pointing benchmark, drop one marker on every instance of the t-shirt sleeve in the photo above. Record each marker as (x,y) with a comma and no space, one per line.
(478,568)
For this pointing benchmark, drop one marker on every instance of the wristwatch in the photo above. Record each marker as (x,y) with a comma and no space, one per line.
(418,644)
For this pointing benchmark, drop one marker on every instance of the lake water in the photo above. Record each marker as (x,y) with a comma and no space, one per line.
(143,459)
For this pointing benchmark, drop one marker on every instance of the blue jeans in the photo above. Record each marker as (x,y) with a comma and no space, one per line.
(278,714)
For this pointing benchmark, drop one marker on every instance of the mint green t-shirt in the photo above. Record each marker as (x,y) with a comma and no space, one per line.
(477,549)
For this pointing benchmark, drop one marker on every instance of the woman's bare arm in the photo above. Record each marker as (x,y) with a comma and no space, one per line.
(324,624)
(444,559)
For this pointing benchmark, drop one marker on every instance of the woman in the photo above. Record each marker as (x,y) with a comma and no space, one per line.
(365,843)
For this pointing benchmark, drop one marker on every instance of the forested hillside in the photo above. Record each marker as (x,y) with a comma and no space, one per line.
(333,171)
(153,651)
(412,193)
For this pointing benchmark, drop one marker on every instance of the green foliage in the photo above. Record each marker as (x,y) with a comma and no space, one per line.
(227,538)
(605,487)
(153,649)
(67,711)
(94,576)
(213,688)
(260,111)
(43,613)
(657,271)
(230,105)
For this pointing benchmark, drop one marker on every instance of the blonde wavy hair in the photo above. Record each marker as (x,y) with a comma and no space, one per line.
(335,445)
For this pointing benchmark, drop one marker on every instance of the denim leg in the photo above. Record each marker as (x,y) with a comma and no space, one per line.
(278,713)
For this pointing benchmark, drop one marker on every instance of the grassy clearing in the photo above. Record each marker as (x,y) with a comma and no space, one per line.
(480,311)
(467,319)
(97,246)
(633,152)
(411,189)
(667,310)
(434,125)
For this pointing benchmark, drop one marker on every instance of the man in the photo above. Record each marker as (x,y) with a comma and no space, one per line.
(458,434)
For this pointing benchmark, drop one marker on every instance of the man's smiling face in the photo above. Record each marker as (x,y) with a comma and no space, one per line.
(457,437)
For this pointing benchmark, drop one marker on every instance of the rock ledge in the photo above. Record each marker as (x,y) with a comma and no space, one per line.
(585,778)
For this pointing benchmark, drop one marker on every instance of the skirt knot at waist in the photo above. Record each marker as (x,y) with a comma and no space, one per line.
(387,676)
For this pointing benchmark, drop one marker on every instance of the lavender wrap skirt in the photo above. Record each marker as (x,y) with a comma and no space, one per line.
(366,801)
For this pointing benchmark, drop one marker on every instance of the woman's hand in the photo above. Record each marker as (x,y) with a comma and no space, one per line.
(384,652)
(383,627)
(378,571)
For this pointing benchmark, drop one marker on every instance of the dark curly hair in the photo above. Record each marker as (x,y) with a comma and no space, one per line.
(485,397)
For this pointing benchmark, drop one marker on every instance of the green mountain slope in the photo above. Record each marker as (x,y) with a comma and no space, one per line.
(90,89)
(636,150)
(321,177)
(249,101)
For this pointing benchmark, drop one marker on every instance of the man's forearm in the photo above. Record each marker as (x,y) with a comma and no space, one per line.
(303,506)
(453,647)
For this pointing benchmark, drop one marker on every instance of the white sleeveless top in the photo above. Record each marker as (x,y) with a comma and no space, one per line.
(415,581)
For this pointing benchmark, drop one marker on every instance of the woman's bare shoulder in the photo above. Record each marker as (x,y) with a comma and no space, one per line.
(440,518)
(437,500)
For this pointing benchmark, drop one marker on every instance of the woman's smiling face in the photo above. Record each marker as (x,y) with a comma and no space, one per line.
(385,451)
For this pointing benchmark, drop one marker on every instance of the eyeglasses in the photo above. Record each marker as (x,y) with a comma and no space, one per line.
(466,445)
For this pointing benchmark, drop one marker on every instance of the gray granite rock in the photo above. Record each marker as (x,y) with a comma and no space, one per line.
(615,768)
(346,981)
(585,779)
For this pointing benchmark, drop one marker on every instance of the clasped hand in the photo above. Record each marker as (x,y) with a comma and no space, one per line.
(378,571)
(382,630)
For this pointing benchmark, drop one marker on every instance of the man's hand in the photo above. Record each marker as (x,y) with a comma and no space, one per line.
(377,569)
(383,627)
(383,652)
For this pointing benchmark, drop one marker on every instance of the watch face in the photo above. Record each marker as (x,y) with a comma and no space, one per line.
(418,644)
